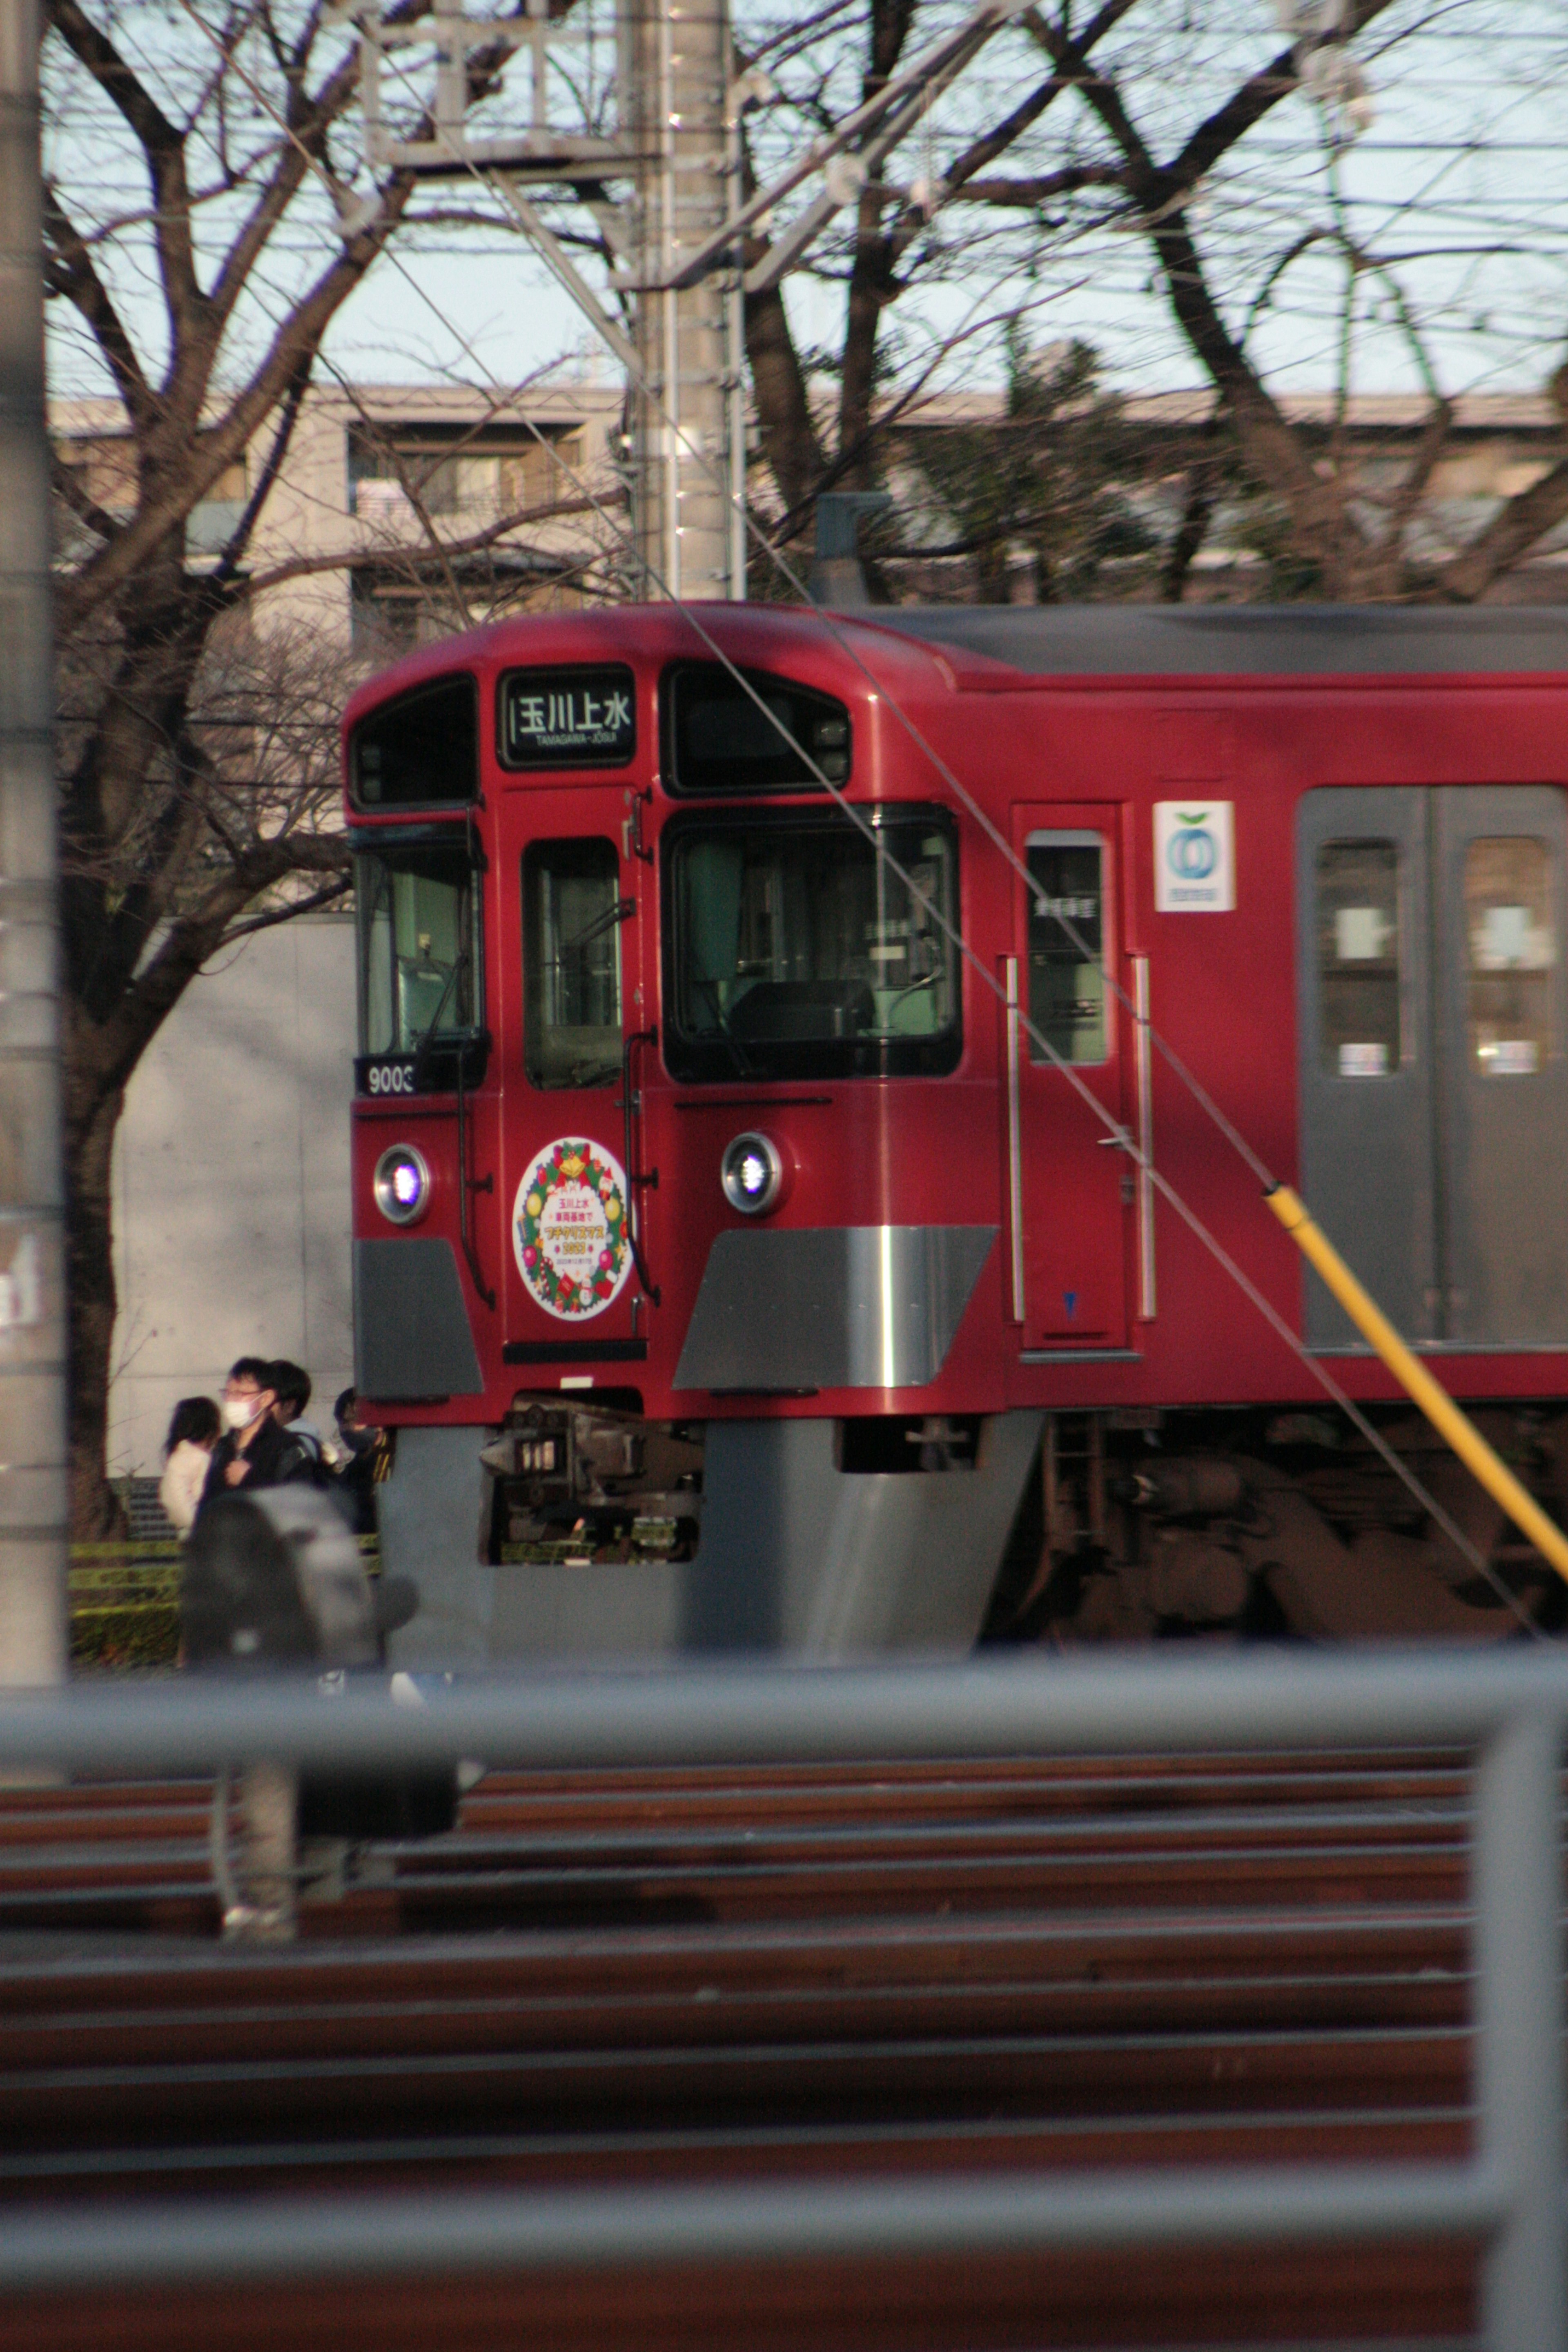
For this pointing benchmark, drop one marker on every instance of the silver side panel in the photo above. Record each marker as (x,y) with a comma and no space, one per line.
(800,1559)
(831,1306)
(428,1512)
(411,1328)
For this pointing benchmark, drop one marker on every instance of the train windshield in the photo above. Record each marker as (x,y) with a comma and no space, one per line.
(795,950)
(419,960)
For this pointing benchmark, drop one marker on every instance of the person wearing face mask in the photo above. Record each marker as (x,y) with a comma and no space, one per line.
(254,1450)
(369,1462)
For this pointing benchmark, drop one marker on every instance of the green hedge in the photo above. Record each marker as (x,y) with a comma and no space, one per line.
(124,1602)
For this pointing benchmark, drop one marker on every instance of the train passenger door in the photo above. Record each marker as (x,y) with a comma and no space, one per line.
(1434,1044)
(1074,1189)
(1368,1168)
(1503,1057)
(572,1290)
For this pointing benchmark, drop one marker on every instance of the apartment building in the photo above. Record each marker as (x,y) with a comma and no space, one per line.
(1496,444)
(402,512)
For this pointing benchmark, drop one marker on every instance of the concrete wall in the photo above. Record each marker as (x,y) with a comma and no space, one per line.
(231,1184)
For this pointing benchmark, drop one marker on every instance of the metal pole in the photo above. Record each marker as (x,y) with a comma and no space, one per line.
(1518,1891)
(1433,1399)
(682,460)
(33,1500)
(734,284)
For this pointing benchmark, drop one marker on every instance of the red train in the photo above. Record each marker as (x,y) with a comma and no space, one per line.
(742,1247)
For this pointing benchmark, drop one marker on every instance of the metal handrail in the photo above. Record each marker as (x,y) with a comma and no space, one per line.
(1511,1707)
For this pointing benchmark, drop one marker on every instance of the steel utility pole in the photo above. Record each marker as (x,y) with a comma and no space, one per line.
(675,238)
(33,1506)
(687,446)
(674,149)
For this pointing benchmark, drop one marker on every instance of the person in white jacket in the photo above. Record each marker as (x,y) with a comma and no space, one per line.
(193,1434)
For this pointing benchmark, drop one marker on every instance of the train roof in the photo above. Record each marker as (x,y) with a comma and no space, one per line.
(1231,640)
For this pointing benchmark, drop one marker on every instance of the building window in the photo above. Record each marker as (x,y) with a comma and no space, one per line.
(452,470)
(384,614)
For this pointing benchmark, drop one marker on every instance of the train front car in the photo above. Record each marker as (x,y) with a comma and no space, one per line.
(763,1017)
(677,1148)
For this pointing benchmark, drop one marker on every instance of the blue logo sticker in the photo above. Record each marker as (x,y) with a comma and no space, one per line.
(1193,853)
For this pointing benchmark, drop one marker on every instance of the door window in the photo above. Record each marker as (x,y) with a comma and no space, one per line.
(1358,958)
(1067,930)
(572,914)
(1511,948)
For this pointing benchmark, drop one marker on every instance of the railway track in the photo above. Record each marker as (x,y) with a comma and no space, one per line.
(681,1978)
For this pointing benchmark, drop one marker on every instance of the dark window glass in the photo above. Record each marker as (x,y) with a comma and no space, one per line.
(419,961)
(793,951)
(1358,958)
(572,915)
(1067,946)
(574,717)
(718,740)
(420,751)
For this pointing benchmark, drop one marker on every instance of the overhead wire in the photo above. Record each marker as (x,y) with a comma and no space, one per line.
(1117,1132)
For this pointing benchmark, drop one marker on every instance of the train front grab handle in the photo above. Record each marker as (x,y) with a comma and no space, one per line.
(1412,1376)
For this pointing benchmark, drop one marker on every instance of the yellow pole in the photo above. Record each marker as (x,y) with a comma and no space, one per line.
(1434,1401)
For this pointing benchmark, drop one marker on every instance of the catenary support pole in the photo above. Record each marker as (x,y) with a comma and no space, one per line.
(1517,1874)
(32,1293)
(677,69)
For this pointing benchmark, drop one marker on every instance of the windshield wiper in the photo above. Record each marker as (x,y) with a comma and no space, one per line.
(621,912)
(425,1043)
(738,1055)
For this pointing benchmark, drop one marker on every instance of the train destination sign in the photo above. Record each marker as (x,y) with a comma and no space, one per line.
(568,717)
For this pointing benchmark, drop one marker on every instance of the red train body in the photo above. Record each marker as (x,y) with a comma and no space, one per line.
(611,926)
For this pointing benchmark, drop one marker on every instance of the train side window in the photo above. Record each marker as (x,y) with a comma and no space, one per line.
(1358,958)
(1512,947)
(572,913)
(1066,951)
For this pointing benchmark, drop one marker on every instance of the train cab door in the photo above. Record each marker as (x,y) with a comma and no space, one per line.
(1073,1190)
(1433,997)
(571,1192)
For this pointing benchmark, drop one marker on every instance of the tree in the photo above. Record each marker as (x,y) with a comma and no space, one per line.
(1180,128)
(207,216)
(1047,484)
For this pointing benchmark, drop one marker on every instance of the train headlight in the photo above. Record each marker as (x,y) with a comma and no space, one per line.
(753,1173)
(402,1184)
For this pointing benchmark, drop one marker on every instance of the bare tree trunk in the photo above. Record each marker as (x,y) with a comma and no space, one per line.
(95,1512)
(783,413)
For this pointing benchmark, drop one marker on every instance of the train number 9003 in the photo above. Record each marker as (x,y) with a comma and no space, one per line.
(385,1077)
